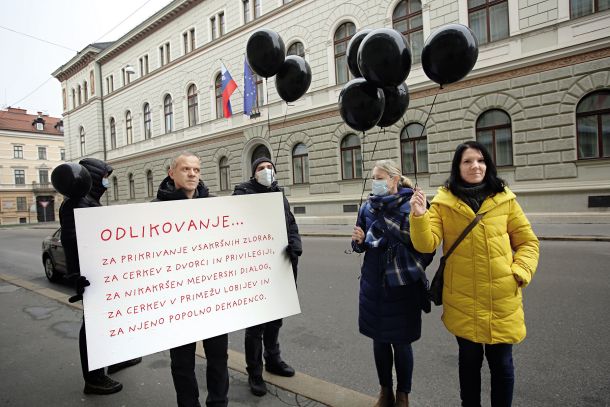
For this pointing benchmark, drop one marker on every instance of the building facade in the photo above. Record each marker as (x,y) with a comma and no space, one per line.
(31,146)
(538,97)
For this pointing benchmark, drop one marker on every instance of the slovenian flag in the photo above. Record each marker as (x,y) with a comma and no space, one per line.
(228,86)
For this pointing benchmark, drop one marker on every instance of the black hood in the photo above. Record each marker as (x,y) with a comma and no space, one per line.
(168,192)
(262,160)
(98,169)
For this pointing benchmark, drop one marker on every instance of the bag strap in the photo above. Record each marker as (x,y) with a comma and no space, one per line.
(463,235)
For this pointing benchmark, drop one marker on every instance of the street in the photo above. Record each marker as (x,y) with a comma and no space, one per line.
(563,361)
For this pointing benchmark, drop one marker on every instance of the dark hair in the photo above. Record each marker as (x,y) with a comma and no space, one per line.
(491,179)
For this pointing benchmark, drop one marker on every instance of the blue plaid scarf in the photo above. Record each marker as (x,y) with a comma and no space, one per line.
(390,233)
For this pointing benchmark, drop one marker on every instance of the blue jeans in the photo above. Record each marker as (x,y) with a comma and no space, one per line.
(389,354)
(500,361)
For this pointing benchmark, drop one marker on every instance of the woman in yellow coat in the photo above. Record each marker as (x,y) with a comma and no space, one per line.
(485,275)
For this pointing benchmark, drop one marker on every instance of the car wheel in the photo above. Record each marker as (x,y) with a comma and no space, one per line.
(49,270)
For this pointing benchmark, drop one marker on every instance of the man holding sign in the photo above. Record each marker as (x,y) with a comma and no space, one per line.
(263,181)
(183,183)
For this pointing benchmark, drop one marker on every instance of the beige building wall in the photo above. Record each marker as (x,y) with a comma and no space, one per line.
(12,211)
(537,76)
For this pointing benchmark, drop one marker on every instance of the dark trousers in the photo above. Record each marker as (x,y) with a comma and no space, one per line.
(388,355)
(500,360)
(217,373)
(89,376)
(258,336)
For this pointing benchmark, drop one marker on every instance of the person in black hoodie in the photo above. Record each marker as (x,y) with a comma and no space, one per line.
(183,183)
(267,334)
(96,381)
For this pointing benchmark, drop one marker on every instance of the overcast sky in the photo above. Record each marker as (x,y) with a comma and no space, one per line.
(72,24)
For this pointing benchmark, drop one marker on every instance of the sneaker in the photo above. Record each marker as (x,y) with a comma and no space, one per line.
(257,385)
(120,366)
(280,368)
(103,385)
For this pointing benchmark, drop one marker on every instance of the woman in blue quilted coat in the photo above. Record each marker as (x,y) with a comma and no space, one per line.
(392,285)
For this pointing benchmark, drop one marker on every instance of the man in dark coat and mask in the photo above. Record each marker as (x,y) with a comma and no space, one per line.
(183,183)
(96,381)
(263,181)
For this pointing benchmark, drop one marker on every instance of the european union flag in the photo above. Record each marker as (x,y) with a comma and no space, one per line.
(249,89)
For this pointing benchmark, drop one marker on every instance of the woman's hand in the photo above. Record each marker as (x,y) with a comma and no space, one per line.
(418,202)
(358,235)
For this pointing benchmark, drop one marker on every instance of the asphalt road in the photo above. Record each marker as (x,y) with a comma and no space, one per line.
(564,360)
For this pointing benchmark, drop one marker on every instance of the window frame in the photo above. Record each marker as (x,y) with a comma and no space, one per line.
(18,152)
(82,141)
(413,141)
(112,133)
(304,160)
(493,129)
(218,96)
(150,185)
(19,176)
(42,150)
(192,105)
(416,58)
(132,186)
(147,115)
(342,55)
(352,152)
(296,43)
(487,7)
(168,113)
(598,114)
(224,172)
(128,128)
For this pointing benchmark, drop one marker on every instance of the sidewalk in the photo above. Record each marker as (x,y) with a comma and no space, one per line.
(545,229)
(41,366)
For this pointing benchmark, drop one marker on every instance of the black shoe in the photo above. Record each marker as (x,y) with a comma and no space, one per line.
(280,368)
(119,366)
(103,385)
(257,385)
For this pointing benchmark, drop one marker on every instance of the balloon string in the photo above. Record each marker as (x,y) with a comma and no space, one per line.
(422,134)
(362,163)
(279,145)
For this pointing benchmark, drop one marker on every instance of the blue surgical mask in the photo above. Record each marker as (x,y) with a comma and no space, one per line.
(105,183)
(380,187)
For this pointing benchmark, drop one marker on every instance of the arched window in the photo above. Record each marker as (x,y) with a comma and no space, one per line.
(79,89)
(351,157)
(494,132)
(225,173)
(296,48)
(128,127)
(342,36)
(112,133)
(593,125)
(488,19)
(82,141)
(218,94)
(132,187)
(115,188)
(85,92)
(414,149)
(407,18)
(168,112)
(579,8)
(300,164)
(150,186)
(73,98)
(260,151)
(193,105)
(147,122)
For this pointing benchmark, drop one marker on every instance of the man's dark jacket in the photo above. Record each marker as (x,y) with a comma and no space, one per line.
(167,191)
(295,247)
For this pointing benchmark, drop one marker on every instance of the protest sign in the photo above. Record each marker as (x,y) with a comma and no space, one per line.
(164,274)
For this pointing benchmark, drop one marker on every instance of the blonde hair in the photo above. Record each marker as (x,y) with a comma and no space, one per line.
(391,168)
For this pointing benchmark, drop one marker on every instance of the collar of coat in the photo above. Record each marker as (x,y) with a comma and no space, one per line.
(446,198)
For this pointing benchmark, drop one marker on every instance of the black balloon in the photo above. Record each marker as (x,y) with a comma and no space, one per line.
(449,54)
(293,79)
(352,51)
(384,57)
(265,52)
(361,104)
(71,180)
(396,103)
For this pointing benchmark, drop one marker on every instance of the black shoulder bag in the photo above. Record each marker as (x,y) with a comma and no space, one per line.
(436,287)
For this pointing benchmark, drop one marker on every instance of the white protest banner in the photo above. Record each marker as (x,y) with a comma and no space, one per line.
(164,274)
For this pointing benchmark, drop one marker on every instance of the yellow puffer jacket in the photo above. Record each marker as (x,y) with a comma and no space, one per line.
(484,275)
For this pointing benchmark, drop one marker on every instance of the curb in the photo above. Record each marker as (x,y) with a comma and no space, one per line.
(307,386)
(550,238)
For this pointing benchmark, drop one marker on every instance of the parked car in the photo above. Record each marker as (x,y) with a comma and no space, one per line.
(53,257)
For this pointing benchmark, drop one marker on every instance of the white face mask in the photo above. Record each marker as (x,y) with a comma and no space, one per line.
(105,183)
(380,187)
(265,177)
